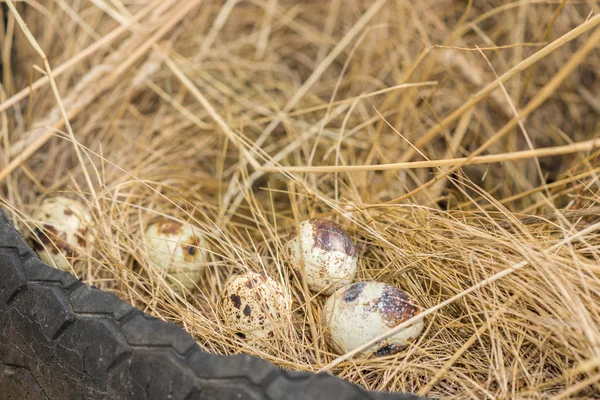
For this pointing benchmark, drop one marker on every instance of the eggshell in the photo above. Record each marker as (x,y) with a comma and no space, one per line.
(358,313)
(253,304)
(328,254)
(62,233)
(178,249)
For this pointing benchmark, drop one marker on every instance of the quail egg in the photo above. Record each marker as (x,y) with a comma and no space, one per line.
(329,256)
(178,249)
(253,304)
(62,233)
(358,313)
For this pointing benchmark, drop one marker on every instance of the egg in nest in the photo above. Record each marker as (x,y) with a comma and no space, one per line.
(358,313)
(254,305)
(62,233)
(178,249)
(328,254)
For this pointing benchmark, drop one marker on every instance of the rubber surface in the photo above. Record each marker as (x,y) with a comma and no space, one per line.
(61,339)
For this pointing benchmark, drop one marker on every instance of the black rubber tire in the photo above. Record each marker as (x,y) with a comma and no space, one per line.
(61,339)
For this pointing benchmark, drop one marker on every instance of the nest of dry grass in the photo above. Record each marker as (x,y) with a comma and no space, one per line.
(455,140)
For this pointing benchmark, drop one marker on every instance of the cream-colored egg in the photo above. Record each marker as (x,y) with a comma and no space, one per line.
(62,233)
(358,313)
(254,305)
(328,254)
(177,249)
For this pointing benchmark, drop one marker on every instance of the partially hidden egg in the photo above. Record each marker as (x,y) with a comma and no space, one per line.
(62,231)
(177,249)
(254,305)
(329,256)
(358,313)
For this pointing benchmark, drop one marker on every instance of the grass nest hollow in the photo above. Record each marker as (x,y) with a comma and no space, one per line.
(455,141)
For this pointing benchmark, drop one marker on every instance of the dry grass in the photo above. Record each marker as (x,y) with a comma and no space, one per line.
(433,131)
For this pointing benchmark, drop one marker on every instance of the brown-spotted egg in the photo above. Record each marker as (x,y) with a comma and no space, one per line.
(62,233)
(358,313)
(178,249)
(254,305)
(329,256)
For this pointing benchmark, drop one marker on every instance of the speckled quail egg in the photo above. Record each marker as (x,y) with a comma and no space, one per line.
(62,232)
(358,313)
(254,305)
(329,256)
(177,249)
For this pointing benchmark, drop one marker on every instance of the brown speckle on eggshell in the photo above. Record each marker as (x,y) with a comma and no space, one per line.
(237,302)
(330,236)
(168,227)
(353,291)
(395,305)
